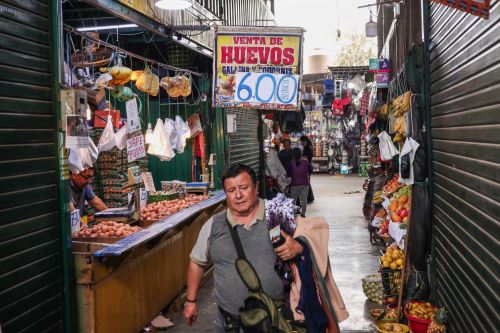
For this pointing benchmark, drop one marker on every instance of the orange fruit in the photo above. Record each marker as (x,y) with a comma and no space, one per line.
(403,199)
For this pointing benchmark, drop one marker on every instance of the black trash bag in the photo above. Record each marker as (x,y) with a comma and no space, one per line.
(420,228)
(405,168)
(417,288)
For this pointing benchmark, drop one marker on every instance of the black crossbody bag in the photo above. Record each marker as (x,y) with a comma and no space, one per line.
(260,313)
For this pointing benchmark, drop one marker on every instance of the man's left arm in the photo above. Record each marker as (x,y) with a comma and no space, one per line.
(94,200)
(98,204)
(290,249)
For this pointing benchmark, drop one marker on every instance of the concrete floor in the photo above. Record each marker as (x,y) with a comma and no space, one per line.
(351,254)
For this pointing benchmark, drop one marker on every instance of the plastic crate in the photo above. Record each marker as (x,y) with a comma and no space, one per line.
(391,281)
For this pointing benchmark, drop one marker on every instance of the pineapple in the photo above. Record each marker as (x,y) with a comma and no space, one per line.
(438,324)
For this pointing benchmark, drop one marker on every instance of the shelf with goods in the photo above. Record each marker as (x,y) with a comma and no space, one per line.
(395,206)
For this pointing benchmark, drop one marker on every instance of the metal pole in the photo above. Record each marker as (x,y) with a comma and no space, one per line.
(427,130)
(380,3)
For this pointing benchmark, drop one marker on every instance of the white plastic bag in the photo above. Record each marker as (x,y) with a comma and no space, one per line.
(183,133)
(107,139)
(160,145)
(121,138)
(171,131)
(276,170)
(386,146)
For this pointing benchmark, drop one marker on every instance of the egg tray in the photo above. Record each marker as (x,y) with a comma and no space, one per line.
(106,240)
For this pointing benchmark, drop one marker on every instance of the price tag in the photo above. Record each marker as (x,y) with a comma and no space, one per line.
(133,120)
(134,175)
(75,221)
(267,90)
(144,197)
(135,148)
(147,179)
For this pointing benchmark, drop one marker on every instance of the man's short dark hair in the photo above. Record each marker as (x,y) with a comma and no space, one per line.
(237,169)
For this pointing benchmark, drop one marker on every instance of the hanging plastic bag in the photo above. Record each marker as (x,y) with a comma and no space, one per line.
(407,156)
(160,145)
(107,139)
(183,133)
(387,148)
(148,82)
(121,138)
(171,131)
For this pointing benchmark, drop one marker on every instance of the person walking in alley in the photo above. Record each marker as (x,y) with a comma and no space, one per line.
(245,215)
(299,170)
(307,151)
(285,155)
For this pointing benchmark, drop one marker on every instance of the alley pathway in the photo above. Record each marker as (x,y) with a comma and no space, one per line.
(351,254)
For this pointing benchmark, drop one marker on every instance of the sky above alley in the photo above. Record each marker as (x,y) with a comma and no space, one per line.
(321,19)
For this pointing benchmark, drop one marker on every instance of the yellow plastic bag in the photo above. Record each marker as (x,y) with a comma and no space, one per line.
(148,82)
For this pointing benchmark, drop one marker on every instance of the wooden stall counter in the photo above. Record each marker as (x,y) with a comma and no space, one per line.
(121,287)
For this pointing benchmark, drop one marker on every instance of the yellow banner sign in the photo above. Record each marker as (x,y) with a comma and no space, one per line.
(257,70)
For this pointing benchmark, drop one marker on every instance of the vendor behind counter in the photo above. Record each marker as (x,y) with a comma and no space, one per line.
(81,176)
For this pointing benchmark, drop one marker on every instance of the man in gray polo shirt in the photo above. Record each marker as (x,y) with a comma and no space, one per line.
(245,213)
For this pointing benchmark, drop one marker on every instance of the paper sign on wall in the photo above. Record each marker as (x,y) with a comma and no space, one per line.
(147,179)
(133,120)
(135,148)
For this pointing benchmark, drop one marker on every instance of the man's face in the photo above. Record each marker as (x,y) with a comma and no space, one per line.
(83,178)
(241,194)
(287,144)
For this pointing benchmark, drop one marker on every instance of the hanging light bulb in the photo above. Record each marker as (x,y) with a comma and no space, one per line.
(371,28)
(149,134)
(173,4)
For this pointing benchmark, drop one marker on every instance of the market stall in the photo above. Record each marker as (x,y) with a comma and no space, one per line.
(120,287)
(141,146)
(396,202)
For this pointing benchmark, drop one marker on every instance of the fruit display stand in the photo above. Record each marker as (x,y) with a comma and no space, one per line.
(120,287)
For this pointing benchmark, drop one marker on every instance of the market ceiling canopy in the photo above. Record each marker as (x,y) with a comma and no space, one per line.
(258,67)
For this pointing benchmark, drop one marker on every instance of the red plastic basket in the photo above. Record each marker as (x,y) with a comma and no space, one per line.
(417,325)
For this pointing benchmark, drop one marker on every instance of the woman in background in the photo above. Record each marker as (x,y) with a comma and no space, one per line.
(298,171)
(308,152)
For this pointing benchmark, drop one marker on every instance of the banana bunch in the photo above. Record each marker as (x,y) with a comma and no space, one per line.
(402,104)
(421,310)
(400,129)
(377,197)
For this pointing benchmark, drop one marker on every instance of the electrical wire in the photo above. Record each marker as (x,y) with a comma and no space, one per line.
(117,49)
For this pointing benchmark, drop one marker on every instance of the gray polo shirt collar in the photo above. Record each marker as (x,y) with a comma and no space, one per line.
(260,216)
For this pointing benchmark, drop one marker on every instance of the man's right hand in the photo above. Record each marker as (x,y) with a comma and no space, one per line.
(190,312)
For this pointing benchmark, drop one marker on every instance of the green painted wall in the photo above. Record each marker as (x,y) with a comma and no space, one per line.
(180,166)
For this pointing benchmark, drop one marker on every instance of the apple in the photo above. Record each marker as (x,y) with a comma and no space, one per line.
(403,213)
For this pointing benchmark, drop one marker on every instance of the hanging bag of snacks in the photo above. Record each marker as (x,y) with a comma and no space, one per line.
(148,82)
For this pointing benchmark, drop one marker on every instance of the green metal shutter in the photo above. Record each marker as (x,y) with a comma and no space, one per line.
(465,120)
(243,145)
(30,257)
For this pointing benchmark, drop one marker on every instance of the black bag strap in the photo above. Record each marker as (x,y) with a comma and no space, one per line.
(236,241)
(244,267)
